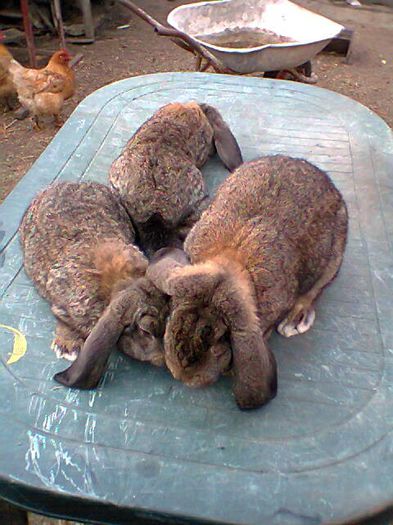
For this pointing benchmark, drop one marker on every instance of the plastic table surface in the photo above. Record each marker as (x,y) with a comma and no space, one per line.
(143,446)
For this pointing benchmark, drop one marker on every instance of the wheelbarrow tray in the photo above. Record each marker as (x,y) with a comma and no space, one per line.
(143,446)
(309,31)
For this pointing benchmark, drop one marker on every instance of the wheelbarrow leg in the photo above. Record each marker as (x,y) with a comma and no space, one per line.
(200,65)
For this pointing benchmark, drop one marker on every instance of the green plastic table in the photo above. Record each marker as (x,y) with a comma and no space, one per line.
(144,447)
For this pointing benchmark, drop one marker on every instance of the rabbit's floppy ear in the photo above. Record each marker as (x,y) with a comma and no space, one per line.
(226,145)
(255,369)
(86,371)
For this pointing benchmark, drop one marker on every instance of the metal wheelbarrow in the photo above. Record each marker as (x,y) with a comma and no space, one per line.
(247,37)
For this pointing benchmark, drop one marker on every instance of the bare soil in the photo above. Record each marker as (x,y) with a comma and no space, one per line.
(121,53)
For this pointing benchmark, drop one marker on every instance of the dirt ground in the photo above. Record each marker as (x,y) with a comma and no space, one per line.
(121,53)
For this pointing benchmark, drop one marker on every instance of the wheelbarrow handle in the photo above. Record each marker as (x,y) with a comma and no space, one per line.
(186,42)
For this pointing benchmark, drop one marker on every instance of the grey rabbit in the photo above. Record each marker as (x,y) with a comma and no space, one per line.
(271,240)
(158,174)
(78,245)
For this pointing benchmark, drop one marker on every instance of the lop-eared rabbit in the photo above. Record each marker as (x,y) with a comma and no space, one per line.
(79,251)
(271,240)
(158,175)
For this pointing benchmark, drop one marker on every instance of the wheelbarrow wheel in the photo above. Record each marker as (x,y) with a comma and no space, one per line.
(304,69)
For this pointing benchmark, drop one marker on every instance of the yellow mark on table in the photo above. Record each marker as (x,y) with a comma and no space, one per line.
(20,344)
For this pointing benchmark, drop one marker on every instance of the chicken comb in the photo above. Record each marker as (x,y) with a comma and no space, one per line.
(65,51)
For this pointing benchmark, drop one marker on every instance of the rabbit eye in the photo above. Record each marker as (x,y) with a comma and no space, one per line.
(189,361)
(148,325)
(206,331)
(206,334)
(145,332)
(128,329)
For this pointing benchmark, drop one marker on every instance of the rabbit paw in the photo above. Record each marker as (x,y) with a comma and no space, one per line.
(64,351)
(300,319)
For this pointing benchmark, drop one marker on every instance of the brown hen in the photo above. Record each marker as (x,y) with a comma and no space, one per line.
(43,91)
(7,88)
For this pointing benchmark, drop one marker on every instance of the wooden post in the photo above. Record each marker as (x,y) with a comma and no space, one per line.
(88,19)
(24,5)
(59,22)
(11,515)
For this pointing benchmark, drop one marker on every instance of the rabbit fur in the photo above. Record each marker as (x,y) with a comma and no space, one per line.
(273,237)
(79,251)
(158,175)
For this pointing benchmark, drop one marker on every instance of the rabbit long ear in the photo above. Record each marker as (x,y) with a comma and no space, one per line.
(226,145)
(90,364)
(255,369)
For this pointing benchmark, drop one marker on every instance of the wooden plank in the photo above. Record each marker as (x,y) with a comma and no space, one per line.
(11,515)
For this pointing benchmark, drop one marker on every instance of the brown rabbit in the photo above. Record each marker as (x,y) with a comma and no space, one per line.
(272,239)
(78,249)
(158,175)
